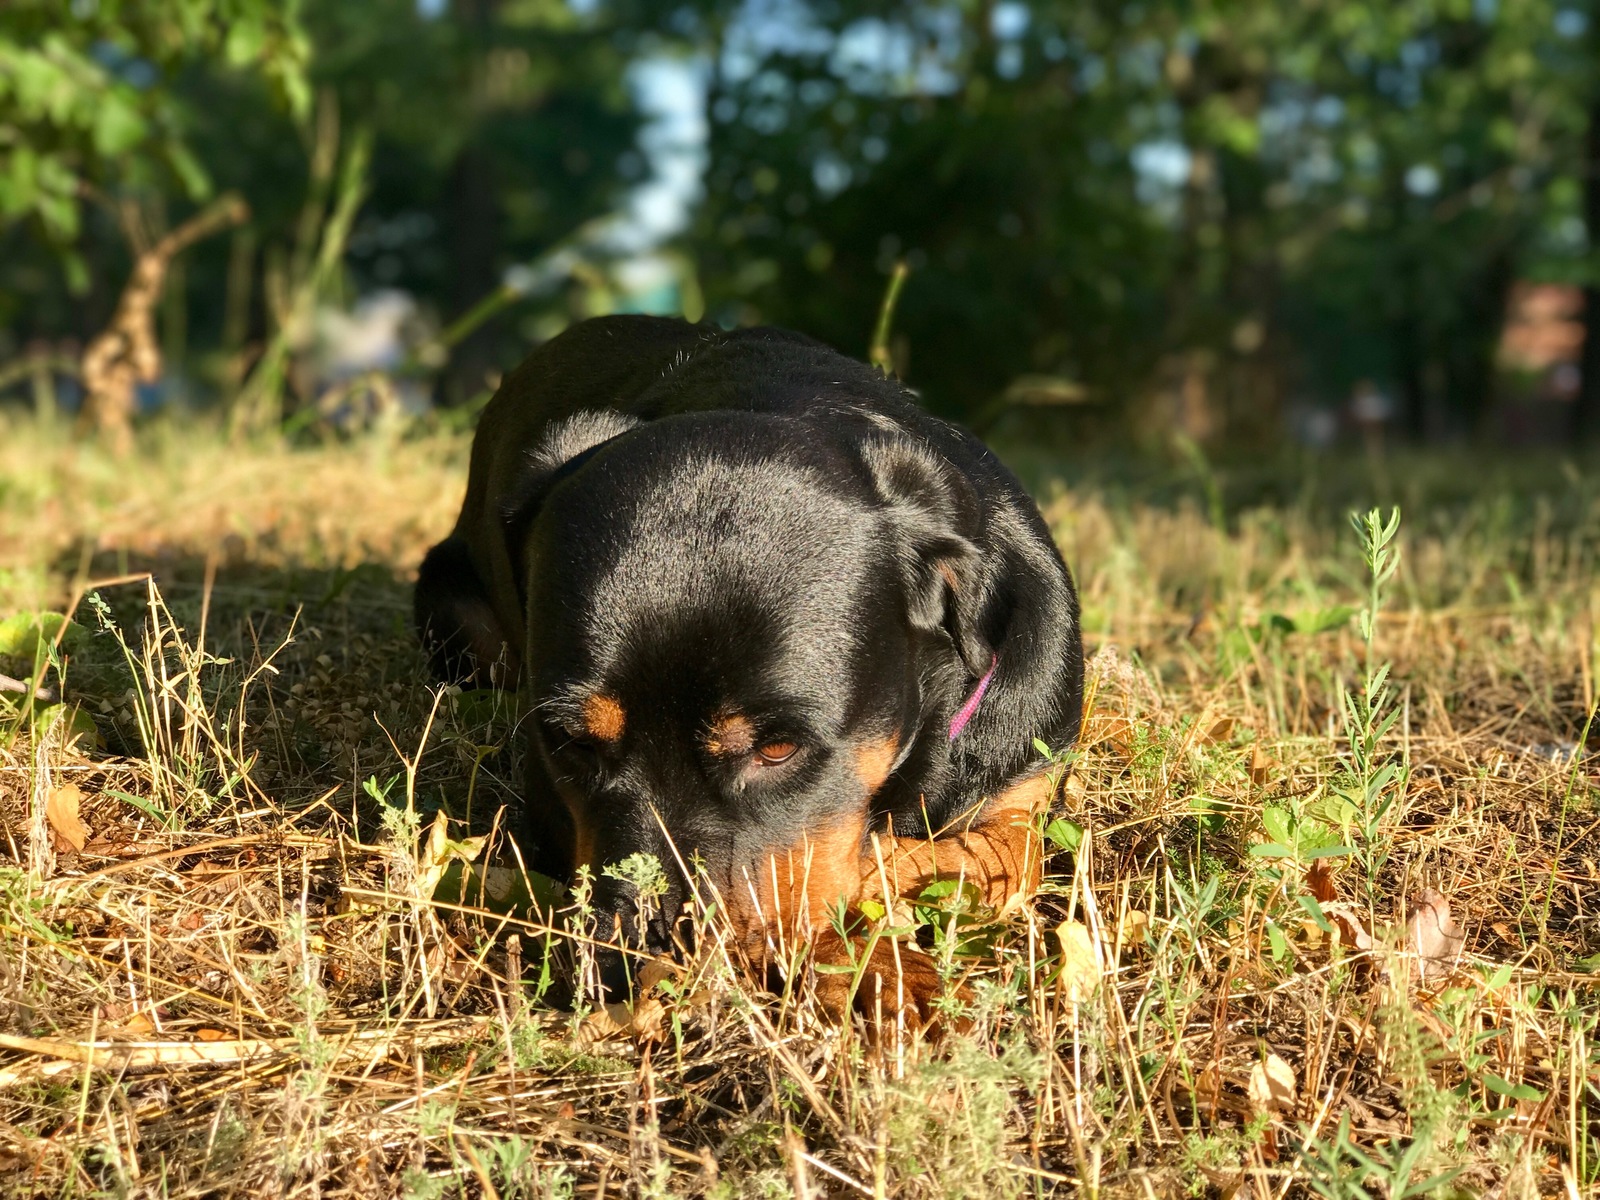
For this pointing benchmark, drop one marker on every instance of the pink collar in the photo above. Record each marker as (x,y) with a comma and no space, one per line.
(970,708)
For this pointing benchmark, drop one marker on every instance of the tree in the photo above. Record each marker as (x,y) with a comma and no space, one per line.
(87,107)
(1233,200)
(498,129)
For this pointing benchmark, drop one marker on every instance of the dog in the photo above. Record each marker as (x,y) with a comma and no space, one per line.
(777,626)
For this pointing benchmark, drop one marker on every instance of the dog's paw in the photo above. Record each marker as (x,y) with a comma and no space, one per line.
(896,986)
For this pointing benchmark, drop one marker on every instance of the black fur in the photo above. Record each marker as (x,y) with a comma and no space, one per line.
(698,522)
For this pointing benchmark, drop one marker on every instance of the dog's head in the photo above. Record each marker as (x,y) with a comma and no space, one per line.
(734,631)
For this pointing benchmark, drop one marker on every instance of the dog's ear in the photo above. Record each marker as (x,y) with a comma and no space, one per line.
(562,446)
(578,434)
(935,514)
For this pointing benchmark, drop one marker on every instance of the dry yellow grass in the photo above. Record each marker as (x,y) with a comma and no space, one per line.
(239,983)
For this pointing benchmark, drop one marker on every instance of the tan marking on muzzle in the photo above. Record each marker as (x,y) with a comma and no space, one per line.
(874,762)
(788,894)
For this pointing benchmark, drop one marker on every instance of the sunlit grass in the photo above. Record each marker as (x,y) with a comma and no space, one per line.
(242,980)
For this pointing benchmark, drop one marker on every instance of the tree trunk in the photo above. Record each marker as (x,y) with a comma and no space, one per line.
(1470,352)
(1586,411)
(474,222)
(475,255)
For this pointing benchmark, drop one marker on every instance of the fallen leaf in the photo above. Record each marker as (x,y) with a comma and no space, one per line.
(1319,881)
(655,971)
(61,810)
(1080,966)
(1220,731)
(138,1025)
(1208,1087)
(1351,932)
(1135,927)
(607,1022)
(1261,767)
(648,1020)
(1433,933)
(439,851)
(1271,1087)
(1114,731)
(206,1034)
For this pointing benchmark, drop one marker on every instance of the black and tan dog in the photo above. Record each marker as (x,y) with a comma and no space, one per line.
(769,615)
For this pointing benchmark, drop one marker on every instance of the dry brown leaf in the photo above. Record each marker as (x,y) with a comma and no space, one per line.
(1272,1085)
(61,810)
(1080,966)
(1319,881)
(1433,934)
(655,971)
(1261,767)
(649,1019)
(1135,927)
(1073,790)
(206,1034)
(607,1022)
(1115,731)
(1220,731)
(1351,932)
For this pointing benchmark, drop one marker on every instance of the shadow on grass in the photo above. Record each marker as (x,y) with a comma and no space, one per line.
(312,673)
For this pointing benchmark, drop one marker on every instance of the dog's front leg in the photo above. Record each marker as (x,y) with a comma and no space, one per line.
(998,852)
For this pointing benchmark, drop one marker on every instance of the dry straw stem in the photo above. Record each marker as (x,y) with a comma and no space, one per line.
(228,987)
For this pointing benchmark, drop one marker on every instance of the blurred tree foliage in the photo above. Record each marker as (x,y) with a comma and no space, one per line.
(498,128)
(89,107)
(1163,212)
(90,117)
(1222,202)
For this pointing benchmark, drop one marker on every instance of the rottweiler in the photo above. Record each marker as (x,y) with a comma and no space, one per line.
(776,625)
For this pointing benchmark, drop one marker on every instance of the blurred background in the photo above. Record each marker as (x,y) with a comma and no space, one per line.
(1233,224)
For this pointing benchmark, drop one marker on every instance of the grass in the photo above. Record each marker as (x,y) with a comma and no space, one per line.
(237,975)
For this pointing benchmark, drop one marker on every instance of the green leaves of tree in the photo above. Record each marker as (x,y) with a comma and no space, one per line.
(85,98)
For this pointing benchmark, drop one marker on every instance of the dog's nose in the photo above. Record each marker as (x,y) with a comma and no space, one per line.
(620,934)
(617,958)
(616,979)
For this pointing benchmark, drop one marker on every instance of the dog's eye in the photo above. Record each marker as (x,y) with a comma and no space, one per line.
(563,740)
(775,753)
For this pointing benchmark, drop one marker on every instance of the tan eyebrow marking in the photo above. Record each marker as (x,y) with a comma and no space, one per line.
(603,717)
(730,735)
